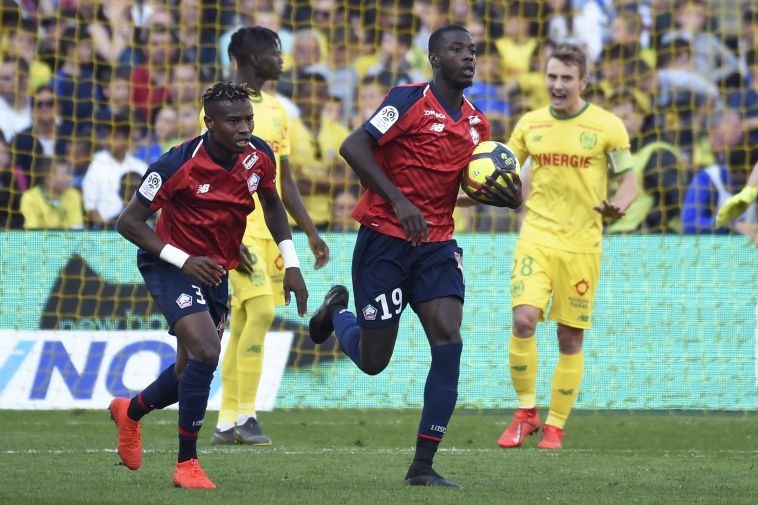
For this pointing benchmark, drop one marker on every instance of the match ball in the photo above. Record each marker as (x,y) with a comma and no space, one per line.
(489,158)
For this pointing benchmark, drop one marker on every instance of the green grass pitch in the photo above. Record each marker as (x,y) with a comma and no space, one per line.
(360,457)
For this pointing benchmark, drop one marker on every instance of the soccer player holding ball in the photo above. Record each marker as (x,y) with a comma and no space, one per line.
(204,189)
(410,155)
(571,143)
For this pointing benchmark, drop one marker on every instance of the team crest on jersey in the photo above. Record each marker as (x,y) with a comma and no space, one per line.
(588,140)
(184,301)
(252,183)
(151,185)
(369,312)
(474,135)
(250,160)
(385,118)
(472,120)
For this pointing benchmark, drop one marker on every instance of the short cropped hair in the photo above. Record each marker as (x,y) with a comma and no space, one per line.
(571,54)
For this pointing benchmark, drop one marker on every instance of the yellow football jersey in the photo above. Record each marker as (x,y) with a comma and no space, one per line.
(312,159)
(271,125)
(570,158)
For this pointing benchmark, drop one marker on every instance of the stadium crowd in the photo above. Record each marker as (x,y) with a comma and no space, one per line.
(92,92)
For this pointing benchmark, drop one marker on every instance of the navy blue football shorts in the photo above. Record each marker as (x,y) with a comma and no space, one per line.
(389,273)
(178,295)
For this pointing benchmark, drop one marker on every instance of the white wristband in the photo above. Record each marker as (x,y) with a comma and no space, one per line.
(173,255)
(289,255)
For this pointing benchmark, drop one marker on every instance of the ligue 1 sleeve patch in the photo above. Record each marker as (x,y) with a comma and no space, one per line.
(151,185)
(252,183)
(385,118)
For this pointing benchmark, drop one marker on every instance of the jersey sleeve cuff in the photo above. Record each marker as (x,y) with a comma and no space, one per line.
(371,129)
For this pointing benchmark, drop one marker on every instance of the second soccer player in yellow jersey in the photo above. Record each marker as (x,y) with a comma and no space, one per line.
(573,145)
(257,285)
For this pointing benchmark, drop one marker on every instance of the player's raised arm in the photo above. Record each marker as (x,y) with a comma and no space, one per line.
(276,221)
(357,151)
(132,225)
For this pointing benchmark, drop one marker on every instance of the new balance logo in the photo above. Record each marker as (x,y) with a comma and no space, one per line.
(203,188)
(437,127)
(565,392)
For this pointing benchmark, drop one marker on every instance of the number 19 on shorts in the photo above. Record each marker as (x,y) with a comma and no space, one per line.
(395,299)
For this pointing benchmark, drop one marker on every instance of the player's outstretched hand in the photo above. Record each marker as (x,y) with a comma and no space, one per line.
(246,260)
(204,269)
(504,196)
(610,210)
(412,220)
(293,282)
(320,250)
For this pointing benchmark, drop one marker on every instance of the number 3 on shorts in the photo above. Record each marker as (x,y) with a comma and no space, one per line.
(397,300)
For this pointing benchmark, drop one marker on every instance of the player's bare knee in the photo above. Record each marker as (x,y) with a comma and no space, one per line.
(524,324)
(570,340)
(207,352)
(374,366)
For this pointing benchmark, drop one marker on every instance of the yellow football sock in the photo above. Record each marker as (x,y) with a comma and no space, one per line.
(227,414)
(523,363)
(566,380)
(260,311)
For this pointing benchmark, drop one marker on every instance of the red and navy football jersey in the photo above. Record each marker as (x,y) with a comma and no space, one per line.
(205,202)
(423,148)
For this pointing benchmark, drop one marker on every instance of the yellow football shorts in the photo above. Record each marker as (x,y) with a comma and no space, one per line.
(571,278)
(267,277)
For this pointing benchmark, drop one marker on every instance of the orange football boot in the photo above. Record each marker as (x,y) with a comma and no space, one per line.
(129,434)
(525,422)
(188,474)
(551,438)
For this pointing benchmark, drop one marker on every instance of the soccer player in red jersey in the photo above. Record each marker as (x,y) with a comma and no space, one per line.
(410,156)
(204,189)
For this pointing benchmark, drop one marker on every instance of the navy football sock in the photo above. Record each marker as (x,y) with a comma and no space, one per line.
(160,393)
(440,395)
(193,400)
(348,333)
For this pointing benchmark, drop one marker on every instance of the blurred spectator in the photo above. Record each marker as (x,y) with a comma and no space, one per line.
(517,44)
(370,95)
(129,183)
(626,29)
(709,190)
(73,83)
(43,137)
(343,78)
(187,122)
(117,94)
(79,157)
(711,59)
(432,14)
(531,84)
(163,136)
(745,100)
(316,164)
(12,185)
(52,28)
(595,94)
(196,39)
(342,208)
(15,104)
(714,184)
(111,30)
(676,74)
(53,204)
(184,85)
(102,200)
(657,165)
(590,23)
(149,82)
(557,21)
(21,42)
(749,32)
(394,67)
(488,92)
(619,64)
(307,58)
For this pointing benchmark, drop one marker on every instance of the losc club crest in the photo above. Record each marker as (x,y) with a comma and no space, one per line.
(474,135)
(369,312)
(184,301)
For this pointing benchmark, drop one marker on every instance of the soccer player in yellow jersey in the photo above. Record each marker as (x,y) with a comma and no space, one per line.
(257,285)
(573,145)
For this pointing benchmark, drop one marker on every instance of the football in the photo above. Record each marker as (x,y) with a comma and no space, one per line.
(489,158)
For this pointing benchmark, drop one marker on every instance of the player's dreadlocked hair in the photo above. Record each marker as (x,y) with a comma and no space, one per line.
(226,91)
